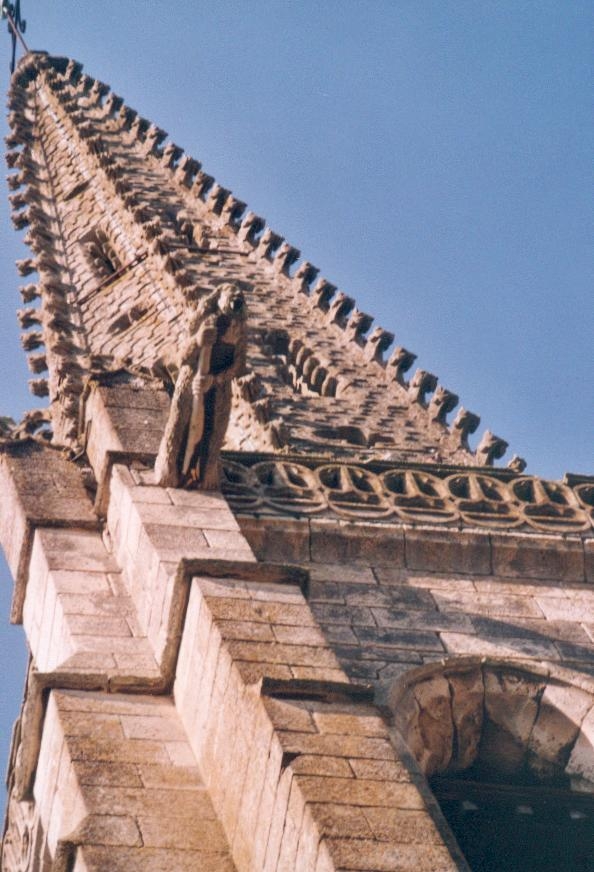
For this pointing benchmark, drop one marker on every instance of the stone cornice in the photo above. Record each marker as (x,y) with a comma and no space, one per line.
(381,492)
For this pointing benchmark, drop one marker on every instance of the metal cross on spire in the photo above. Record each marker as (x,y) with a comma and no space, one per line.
(16,26)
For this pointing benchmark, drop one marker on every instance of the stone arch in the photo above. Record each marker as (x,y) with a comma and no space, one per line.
(500,714)
(508,751)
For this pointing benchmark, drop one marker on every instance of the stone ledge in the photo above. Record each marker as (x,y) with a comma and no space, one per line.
(39,488)
(325,691)
(508,555)
(262,573)
(389,493)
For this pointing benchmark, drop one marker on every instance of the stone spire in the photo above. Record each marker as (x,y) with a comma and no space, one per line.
(227,680)
(118,287)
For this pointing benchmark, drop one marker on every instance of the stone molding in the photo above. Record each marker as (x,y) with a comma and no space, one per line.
(406,494)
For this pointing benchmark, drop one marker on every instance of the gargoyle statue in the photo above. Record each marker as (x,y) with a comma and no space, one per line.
(201,402)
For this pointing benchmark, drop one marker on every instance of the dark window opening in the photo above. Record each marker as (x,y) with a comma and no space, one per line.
(101,254)
(518,827)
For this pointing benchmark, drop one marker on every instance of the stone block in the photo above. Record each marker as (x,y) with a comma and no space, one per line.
(174,543)
(309,840)
(486,644)
(292,829)
(171,832)
(248,815)
(182,774)
(340,634)
(328,613)
(379,770)
(39,487)
(295,635)
(443,551)
(15,533)
(352,721)
(157,728)
(267,805)
(113,830)
(342,574)
(289,715)
(581,762)
(341,821)
(426,620)
(98,625)
(285,594)
(228,543)
(560,714)
(306,764)
(205,517)
(317,673)
(403,826)
(275,538)
(151,495)
(489,604)
(74,550)
(223,608)
(246,631)
(544,557)
(277,823)
(359,792)
(99,858)
(113,774)
(331,745)
(589,559)
(562,608)
(120,418)
(417,640)
(291,655)
(390,857)
(332,541)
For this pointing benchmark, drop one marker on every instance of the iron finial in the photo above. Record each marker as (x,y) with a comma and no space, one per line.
(16,26)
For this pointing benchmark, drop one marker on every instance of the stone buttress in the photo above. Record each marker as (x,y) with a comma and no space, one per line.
(264,676)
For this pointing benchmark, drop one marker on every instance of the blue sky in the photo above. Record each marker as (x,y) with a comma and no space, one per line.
(432,158)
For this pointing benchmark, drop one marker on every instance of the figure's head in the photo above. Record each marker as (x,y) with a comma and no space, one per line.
(231,301)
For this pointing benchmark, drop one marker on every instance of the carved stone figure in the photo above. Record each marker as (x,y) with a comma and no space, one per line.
(201,403)
(20,836)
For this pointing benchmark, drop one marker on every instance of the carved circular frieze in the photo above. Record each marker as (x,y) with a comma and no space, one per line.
(240,486)
(410,495)
(289,487)
(585,496)
(483,500)
(354,492)
(549,505)
(418,496)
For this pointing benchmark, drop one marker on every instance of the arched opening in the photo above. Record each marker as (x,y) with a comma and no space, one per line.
(508,753)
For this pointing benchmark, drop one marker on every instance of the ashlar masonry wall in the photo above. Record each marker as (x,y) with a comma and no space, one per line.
(167,632)
(393,597)
(177,679)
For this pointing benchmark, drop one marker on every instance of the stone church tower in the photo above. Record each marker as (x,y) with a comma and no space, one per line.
(339,639)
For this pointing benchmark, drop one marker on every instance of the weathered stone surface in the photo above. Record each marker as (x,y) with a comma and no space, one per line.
(99,793)
(39,487)
(170,637)
(362,544)
(445,551)
(543,557)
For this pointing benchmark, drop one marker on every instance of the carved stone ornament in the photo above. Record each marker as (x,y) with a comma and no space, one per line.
(471,498)
(207,362)
(18,847)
